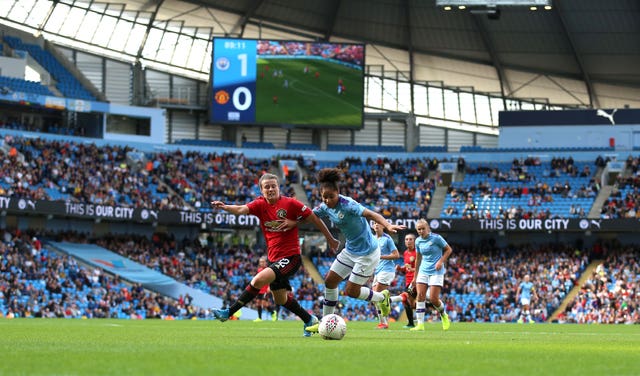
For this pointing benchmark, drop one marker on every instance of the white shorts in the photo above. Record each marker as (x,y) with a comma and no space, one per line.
(430,279)
(384,278)
(525,301)
(358,268)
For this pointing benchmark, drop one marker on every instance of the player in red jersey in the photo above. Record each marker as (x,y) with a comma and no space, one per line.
(408,297)
(262,300)
(279,216)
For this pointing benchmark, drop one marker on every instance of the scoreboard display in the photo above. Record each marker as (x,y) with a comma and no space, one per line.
(234,80)
(274,82)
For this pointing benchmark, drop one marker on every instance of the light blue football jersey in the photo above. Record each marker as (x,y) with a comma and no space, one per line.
(431,249)
(525,290)
(347,216)
(387,246)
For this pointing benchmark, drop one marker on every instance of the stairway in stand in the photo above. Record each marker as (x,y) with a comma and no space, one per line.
(586,274)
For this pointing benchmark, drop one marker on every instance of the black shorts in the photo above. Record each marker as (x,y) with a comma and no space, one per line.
(284,269)
(261,296)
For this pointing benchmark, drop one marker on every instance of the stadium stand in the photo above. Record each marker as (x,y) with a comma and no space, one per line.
(35,282)
(206,143)
(481,289)
(624,200)
(299,146)
(610,295)
(258,145)
(11,84)
(523,189)
(396,188)
(66,82)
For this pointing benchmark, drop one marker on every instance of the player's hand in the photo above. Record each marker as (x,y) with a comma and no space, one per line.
(217,204)
(287,224)
(333,244)
(395,228)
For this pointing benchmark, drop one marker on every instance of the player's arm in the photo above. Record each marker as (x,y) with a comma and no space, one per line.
(233,209)
(332,242)
(392,256)
(418,261)
(373,216)
(445,256)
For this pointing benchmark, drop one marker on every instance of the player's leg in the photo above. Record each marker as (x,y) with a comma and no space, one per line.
(340,269)
(379,286)
(265,277)
(524,303)
(260,303)
(407,298)
(421,297)
(284,297)
(281,290)
(526,312)
(434,298)
(363,268)
(529,317)
(409,302)
(274,308)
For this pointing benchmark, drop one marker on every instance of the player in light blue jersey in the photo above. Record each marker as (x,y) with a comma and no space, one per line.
(361,252)
(524,294)
(385,272)
(432,255)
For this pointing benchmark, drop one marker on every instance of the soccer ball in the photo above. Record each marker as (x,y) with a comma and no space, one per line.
(332,327)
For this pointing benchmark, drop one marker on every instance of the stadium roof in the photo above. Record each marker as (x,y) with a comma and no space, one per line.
(586,39)
(587,49)
(589,40)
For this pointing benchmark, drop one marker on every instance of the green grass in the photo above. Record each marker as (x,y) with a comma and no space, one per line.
(309,100)
(122,347)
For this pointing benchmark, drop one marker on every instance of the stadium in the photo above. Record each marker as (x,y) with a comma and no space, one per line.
(134,136)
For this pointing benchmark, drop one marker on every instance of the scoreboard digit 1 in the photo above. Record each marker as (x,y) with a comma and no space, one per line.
(234,80)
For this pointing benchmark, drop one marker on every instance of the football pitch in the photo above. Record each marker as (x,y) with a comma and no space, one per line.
(307,98)
(123,347)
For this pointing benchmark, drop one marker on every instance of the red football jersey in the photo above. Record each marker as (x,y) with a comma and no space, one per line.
(409,259)
(280,244)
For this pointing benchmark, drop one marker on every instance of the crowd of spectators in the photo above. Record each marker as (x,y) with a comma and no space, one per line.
(481,283)
(350,53)
(392,187)
(539,185)
(200,178)
(35,282)
(482,280)
(39,169)
(624,200)
(218,265)
(397,188)
(611,294)
(83,172)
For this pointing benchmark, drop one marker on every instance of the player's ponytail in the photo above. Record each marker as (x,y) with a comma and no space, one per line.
(329,178)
